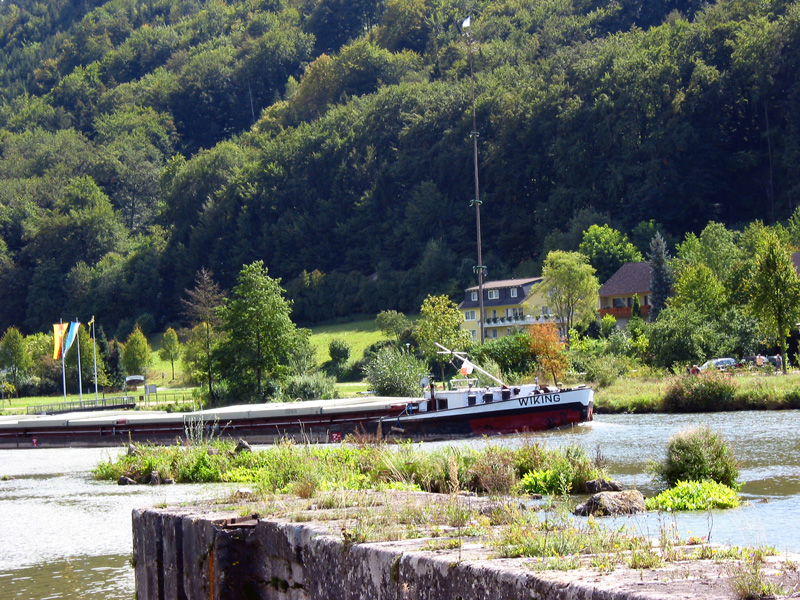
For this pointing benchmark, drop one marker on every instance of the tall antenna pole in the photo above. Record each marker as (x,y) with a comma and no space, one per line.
(480,269)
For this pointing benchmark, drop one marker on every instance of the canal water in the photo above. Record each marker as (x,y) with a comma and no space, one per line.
(64,535)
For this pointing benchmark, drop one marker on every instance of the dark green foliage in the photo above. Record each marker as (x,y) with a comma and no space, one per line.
(698,454)
(395,372)
(512,353)
(339,352)
(661,279)
(356,165)
(258,335)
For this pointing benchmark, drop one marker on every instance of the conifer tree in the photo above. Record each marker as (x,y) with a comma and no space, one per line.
(661,279)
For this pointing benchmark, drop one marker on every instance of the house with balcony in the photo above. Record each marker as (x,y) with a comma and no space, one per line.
(616,294)
(508,305)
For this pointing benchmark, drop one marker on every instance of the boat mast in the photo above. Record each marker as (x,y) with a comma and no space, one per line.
(480,269)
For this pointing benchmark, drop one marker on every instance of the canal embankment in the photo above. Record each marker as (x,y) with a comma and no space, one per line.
(193,553)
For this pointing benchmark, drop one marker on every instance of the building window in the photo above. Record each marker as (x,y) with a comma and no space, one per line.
(513,292)
(618,303)
(469,315)
(494,333)
(494,314)
(474,333)
(510,312)
(474,296)
(494,294)
(545,311)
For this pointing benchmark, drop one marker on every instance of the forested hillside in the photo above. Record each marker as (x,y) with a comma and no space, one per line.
(143,140)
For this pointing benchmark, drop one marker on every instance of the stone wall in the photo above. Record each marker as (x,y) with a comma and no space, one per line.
(189,555)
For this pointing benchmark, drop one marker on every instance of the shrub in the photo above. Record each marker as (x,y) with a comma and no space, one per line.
(393,372)
(311,386)
(709,391)
(697,454)
(339,351)
(560,471)
(694,495)
(605,370)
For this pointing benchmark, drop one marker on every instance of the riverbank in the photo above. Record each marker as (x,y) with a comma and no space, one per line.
(708,392)
(396,545)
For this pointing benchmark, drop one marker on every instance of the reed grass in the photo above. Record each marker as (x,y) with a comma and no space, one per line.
(307,470)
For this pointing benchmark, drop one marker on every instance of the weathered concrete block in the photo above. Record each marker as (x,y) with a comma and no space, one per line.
(193,556)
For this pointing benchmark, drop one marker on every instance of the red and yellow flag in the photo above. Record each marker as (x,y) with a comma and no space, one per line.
(59,329)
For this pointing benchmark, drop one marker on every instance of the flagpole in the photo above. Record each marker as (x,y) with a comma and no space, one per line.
(80,381)
(63,368)
(94,351)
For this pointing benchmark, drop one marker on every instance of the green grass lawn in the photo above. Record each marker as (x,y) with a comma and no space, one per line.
(160,371)
(359,335)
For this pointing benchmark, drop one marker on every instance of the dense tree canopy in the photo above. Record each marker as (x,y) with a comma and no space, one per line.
(143,141)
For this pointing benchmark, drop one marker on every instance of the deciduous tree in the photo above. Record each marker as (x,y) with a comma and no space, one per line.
(14,355)
(607,250)
(393,323)
(136,354)
(201,306)
(548,348)
(440,322)
(258,332)
(570,281)
(774,289)
(170,348)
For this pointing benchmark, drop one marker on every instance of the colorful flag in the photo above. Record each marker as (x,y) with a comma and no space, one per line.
(466,368)
(58,338)
(71,334)
(467,22)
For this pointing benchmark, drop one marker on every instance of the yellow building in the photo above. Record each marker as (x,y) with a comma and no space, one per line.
(508,306)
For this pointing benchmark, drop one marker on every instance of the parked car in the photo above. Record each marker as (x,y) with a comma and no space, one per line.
(721,364)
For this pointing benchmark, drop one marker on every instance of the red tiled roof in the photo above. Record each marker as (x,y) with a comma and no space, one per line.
(630,278)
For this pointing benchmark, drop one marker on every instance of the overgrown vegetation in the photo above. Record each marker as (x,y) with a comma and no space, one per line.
(697,454)
(289,467)
(694,495)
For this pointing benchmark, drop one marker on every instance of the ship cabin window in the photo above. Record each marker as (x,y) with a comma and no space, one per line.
(513,292)
(474,296)
(493,294)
